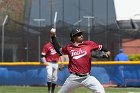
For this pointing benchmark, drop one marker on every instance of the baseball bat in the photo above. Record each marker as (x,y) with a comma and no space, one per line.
(55,17)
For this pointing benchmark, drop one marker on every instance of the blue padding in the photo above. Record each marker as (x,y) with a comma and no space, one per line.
(36,75)
(22,75)
(62,76)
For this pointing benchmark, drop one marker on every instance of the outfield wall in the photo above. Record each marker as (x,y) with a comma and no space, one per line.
(34,73)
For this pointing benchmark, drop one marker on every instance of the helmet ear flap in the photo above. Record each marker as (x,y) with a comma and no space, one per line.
(72,40)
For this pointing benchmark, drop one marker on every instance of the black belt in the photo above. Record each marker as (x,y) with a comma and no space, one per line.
(80,75)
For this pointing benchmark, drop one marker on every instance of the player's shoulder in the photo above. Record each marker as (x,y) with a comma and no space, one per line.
(88,42)
(47,44)
(69,45)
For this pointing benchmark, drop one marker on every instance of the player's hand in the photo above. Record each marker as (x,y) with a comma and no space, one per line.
(53,32)
(46,64)
(61,66)
(108,54)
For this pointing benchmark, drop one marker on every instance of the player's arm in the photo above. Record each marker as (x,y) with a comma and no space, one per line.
(61,66)
(55,43)
(43,59)
(101,53)
(62,60)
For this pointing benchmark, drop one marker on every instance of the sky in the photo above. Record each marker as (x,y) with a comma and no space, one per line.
(127,9)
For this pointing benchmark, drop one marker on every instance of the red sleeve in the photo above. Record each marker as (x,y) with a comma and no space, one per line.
(45,50)
(64,50)
(94,45)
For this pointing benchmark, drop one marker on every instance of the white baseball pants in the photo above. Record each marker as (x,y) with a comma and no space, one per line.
(52,70)
(74,81)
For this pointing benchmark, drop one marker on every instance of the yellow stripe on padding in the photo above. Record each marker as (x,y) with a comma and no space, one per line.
(66,63)
(116,62)
(19,63)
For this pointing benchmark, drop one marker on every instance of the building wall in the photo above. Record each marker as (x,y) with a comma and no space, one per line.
(131,46)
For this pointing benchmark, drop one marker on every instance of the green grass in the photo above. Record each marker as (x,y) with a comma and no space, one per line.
(29,89)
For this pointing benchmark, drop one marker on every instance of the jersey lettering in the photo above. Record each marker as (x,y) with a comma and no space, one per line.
(78,54)
(52,51)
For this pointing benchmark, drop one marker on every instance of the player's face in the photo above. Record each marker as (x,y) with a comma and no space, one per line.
(78,38)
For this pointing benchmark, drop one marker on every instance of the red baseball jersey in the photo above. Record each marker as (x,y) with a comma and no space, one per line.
(49,52)
(80,56)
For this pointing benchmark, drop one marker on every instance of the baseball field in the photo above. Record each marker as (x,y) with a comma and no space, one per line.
(36,89)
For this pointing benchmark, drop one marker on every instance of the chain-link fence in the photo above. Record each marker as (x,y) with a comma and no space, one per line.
(23,41)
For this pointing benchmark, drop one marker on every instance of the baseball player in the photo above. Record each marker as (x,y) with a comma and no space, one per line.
(79,53)
(121,56)
(50,58)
